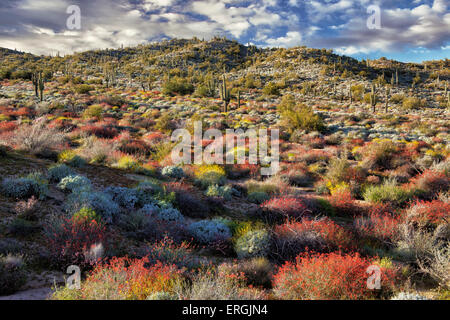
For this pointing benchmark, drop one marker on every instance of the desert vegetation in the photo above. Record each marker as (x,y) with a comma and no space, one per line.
(87,178)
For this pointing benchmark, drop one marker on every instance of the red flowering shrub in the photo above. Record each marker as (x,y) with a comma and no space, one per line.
(379,224)
(324,235)
(7,126)
(343,203)
(284,208)
(430,183)
(75,241)
(135,147)
(101,131)
(329,276)
(433,212)
(126,279)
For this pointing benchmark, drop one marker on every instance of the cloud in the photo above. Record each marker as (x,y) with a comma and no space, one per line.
(39,26)
(292,39)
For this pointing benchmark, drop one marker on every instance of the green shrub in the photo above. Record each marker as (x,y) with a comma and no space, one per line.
(254,243)
(93,111)
(225,192)
(59,171)
(299,116)
(389,191)
(87,215)
(83,89)
(258,197)
(271,89)
(412,103)
(177,86)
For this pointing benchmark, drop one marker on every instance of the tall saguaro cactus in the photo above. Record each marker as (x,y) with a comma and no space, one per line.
(34,79)
(41,86)
(239,98)
(225,94)
(211,85)
(373,98)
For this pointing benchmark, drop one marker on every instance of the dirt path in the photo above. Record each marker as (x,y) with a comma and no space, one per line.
(32,294)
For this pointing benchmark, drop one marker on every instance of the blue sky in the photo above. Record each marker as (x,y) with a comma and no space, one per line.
(409,30)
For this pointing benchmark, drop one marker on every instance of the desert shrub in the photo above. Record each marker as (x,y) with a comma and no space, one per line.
(161,295)
(170,215)
(37,138)
(72,183)
(409,296)
(169,252)
(100,202)
(23,188)
(343,203)
(12,274)
(155,229)
(124,197)
(191,206)
(70,158)
(437,264)
(281,208)
(127,163)
(258,197)
(59,171)
(397,98)
(21,228)
(271,89)
(269,186)
(83,89)
(74,241)
(419,239)
(207,175)
(147,191)
(379,154)
(177,86)
(173,172)
(429,213)
(209,285)
(430,183)
(10,245)
(339,170)
(124,279)
(225,192)
(380,225)
(330,276)
(411,103)
(208,231)
(87,214)
(28,209)
(388,192)
(93,111)
(301,117)
(254,243)
(323,235)
(106,132)
(257,272)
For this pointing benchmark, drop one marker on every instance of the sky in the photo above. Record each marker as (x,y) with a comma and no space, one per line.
(409,31)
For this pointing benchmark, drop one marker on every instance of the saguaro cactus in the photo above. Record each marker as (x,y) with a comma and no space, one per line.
(34,79)
(225,94)
(239,98)
(373,98)
(41,86)
(211,85)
